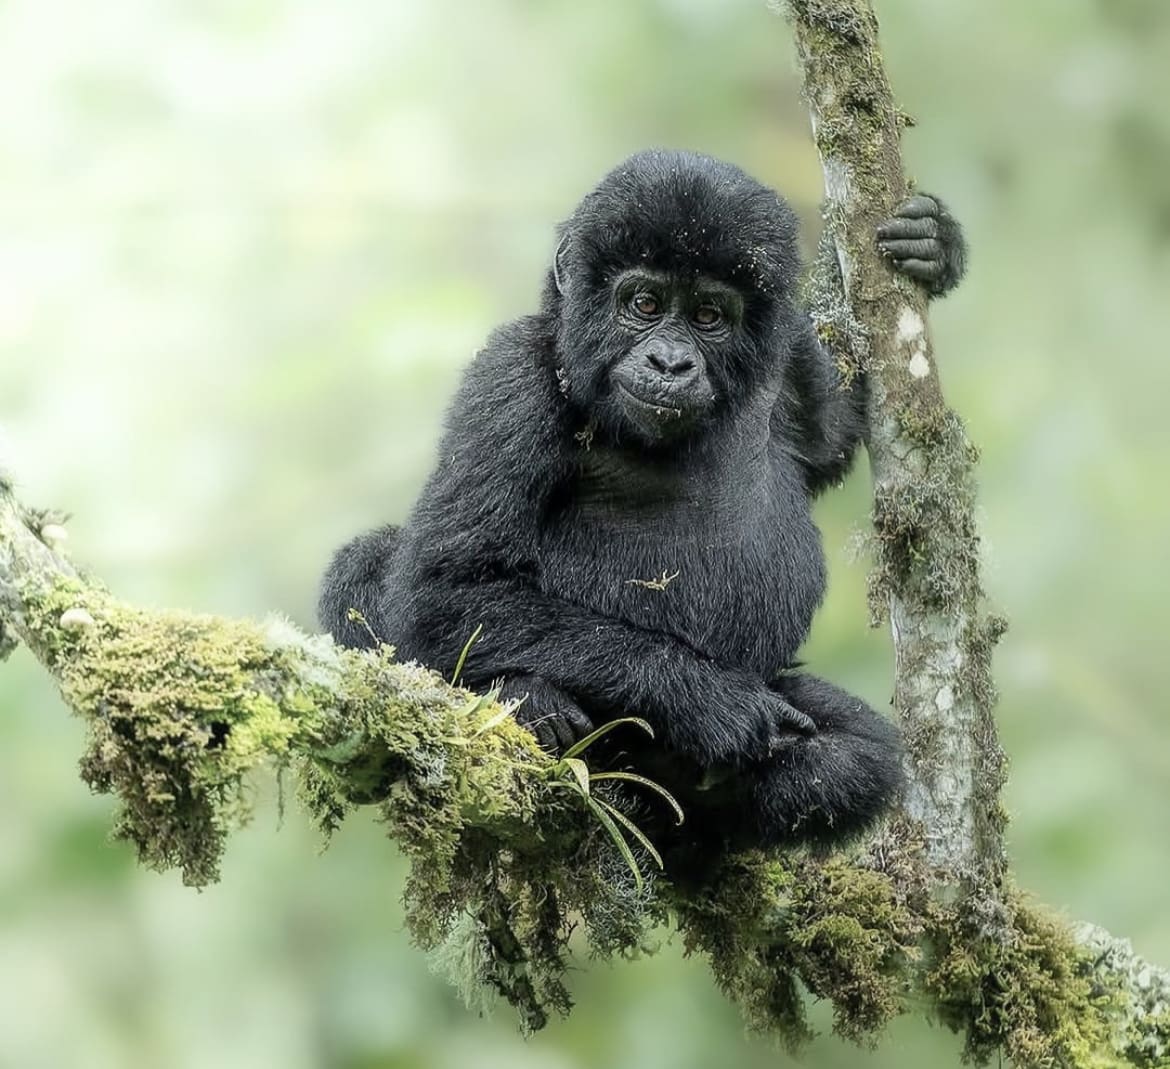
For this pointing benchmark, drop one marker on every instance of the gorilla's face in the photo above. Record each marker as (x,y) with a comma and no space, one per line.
(671,290)
(668,333)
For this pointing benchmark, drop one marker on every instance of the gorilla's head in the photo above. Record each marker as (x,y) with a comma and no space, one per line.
(670,283)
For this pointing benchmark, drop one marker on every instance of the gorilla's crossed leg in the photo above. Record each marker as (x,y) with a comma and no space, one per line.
(833,784)
(814,789)
(817,789)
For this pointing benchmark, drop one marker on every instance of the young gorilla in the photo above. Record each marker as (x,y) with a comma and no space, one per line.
(622,501)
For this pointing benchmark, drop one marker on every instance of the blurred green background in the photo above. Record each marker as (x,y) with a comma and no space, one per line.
(246,250)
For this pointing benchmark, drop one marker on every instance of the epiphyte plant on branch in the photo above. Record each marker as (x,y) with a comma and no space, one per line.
(510,844)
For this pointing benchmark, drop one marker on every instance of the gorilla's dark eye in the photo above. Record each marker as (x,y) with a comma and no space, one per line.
(645,304)
(707,315)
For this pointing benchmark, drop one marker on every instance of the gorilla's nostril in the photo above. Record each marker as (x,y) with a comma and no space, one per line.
(671,362)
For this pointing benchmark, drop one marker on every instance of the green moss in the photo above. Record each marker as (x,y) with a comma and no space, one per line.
(1010,978)
(7,642)
(1151,1048)
(738,922)
(265,729)
(853,23)
(175,720)
(931,426)
(1141,996)
(182,708)
(979,641)
(927,544)
(863,934)
(853,936)
(775,926)
(466,793)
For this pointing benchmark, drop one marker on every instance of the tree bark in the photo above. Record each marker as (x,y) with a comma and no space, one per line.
(926,579)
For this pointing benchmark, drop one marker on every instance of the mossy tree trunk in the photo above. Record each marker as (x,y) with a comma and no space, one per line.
(926,576)
(926,583)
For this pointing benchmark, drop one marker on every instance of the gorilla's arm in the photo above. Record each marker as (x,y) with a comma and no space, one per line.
(470,557)
(822,417)
(696,706)
(819,416)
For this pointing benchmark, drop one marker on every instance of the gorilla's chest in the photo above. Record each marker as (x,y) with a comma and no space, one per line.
(722,555)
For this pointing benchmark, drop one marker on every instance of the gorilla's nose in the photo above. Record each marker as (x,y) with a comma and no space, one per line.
(674,360)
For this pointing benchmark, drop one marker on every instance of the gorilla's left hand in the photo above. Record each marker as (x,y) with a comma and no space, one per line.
(548,712)
(924,242)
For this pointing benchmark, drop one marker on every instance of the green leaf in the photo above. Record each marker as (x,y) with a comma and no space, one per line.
(463,655)
(606,821)
(492,721)
(583,744)
(657,788)
(580,771)
(496,718)
(474,705)
(632,828)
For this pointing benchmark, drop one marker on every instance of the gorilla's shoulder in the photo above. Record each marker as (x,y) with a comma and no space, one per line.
(509,391)
(515,365)
(530,333)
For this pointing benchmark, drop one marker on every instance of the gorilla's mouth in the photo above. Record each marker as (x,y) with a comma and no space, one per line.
(646,406)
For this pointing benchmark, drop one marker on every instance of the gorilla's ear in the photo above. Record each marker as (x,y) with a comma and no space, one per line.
(558,269)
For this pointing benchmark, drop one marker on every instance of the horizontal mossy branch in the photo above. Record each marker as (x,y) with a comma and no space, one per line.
(181,709)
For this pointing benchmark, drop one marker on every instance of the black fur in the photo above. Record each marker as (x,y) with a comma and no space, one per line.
(622,502)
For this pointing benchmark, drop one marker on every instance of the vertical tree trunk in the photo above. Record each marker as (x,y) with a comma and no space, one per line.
(926,576)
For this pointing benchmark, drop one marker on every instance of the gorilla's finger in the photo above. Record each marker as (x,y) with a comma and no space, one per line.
(923,270)
(907,228)
(578,722)
(544,735)
(793,719)
(920,206)
(919,249)
(562,731)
